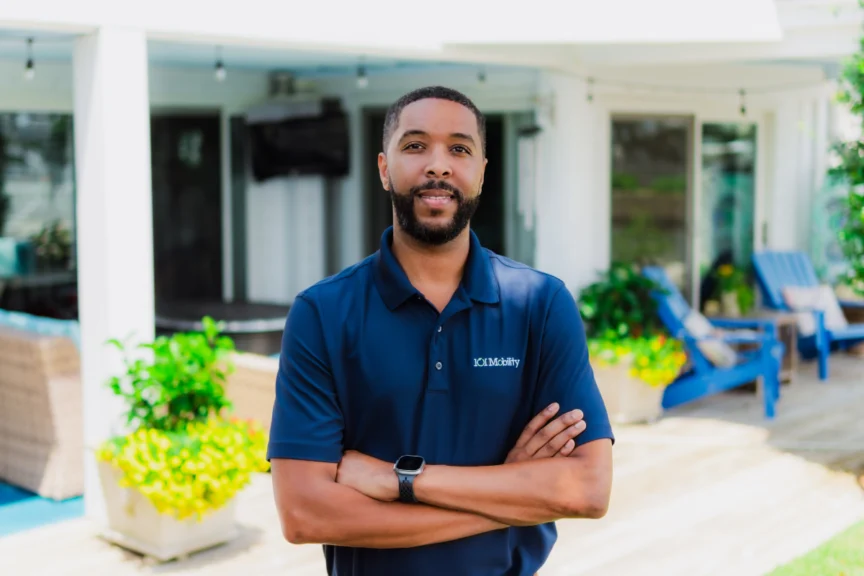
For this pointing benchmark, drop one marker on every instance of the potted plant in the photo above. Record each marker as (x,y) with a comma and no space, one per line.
(52,246)
(633,357)
(734,291)
(170,481)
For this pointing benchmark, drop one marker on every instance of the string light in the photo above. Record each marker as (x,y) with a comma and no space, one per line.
(219,72)
(362,79)
(29,68)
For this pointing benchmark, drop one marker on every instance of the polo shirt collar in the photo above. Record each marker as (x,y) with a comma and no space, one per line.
(478,280)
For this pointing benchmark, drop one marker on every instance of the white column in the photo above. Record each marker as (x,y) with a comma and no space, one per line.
(783,213)
(115,236)
(572,216)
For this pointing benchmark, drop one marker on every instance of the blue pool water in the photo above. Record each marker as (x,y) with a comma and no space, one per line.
(22,510)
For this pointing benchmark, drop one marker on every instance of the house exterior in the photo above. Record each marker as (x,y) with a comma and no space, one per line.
(622,133)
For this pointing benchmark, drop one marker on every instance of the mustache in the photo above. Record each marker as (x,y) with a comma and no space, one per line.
(438,185)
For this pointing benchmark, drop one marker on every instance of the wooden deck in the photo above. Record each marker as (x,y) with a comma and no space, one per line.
(712,488)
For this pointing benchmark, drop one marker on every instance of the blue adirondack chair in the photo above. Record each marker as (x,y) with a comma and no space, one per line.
(777,270)
(706,378)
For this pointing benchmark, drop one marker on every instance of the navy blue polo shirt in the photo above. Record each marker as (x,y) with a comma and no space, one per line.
(369,364)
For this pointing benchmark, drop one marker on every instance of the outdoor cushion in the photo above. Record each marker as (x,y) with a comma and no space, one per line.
(805,299)
(717,352)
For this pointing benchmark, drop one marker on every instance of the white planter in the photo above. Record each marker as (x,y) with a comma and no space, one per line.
(135,524)
(628,400)
(730,306)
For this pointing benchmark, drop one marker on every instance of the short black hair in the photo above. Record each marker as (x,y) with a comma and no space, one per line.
(391,120)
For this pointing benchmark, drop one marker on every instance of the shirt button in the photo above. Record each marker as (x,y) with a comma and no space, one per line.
(438,365)
(439,328)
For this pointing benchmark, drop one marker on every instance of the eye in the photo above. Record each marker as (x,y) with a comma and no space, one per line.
(413,146)
(459,149)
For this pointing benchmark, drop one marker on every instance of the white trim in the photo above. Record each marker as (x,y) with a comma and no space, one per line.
(764,165)
(695,208)
(227,221)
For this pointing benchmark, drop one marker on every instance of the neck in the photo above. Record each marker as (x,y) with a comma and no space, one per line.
(435,265)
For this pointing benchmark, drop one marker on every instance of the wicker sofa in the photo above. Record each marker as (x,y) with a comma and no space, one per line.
(41,424)
(41,403)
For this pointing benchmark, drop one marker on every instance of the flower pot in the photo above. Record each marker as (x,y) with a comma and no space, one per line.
(628,400)
(729,301)
(135,524)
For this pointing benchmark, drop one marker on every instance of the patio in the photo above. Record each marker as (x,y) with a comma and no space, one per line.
(712,488)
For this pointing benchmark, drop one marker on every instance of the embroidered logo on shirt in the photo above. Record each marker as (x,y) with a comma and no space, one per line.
(508,362)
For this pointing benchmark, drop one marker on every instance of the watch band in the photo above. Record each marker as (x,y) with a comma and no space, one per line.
(406,489)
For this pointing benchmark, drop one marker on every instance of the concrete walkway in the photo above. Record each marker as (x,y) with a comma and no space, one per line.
(710,489)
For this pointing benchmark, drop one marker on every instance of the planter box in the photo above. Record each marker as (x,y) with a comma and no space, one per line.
(134,523)
(628,400)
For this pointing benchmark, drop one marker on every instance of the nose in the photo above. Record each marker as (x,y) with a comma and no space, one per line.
(439,164)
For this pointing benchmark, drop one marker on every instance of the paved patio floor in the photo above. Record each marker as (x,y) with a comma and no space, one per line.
(711,489)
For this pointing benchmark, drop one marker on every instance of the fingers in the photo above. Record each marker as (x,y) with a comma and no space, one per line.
(536,424)
(564,443)
(548,438)
(567,449)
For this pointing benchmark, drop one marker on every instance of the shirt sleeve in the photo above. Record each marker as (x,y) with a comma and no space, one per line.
(566,376)
(307,421)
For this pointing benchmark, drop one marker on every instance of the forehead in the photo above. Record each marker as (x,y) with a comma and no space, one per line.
(438,118)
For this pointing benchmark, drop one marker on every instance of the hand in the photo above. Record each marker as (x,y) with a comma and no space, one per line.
(542,440)
(370,476)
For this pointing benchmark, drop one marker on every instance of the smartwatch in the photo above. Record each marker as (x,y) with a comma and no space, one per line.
(407,468)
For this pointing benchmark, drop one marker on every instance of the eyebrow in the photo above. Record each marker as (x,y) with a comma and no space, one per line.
(455,135)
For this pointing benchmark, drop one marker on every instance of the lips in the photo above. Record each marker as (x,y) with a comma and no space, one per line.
(436,194)
(436,198)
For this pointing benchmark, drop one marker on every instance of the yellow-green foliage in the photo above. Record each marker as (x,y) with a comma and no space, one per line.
(190,471)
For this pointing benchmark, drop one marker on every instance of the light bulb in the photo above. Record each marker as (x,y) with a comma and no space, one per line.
(30,70)
(220,72)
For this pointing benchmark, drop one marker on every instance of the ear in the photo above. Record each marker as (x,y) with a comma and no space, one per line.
(383,171)
(482,176)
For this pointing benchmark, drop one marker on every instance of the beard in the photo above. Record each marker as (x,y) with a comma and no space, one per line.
(406,215)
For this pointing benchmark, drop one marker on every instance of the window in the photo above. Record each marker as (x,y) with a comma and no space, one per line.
(37,214)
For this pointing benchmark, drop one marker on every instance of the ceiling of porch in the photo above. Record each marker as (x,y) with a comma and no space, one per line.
(814,32)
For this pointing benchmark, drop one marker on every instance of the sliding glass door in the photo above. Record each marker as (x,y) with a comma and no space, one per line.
(651,194)
(683,196)
(726,217)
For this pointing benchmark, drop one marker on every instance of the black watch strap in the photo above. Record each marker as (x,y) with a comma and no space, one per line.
(406,489)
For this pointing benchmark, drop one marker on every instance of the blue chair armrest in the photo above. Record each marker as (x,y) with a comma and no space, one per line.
(753,338)
(852,303)
(754,323)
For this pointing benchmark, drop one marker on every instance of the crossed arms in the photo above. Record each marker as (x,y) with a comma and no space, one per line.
(350,499)
(353,503)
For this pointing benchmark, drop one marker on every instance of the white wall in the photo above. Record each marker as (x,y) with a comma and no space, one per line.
(285,237)
(574,224)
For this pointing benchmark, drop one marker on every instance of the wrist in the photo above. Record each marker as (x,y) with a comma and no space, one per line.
(406,470)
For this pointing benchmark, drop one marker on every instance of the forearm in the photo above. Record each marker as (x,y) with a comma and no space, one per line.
(523,493)
(339,515)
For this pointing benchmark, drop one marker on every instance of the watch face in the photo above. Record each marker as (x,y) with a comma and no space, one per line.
(409,463)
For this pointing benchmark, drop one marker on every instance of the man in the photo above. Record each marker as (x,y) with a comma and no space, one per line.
(411,433)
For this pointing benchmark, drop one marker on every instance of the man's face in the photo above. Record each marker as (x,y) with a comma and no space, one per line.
(433,169)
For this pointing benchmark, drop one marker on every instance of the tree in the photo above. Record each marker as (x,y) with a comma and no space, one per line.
(851,170)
